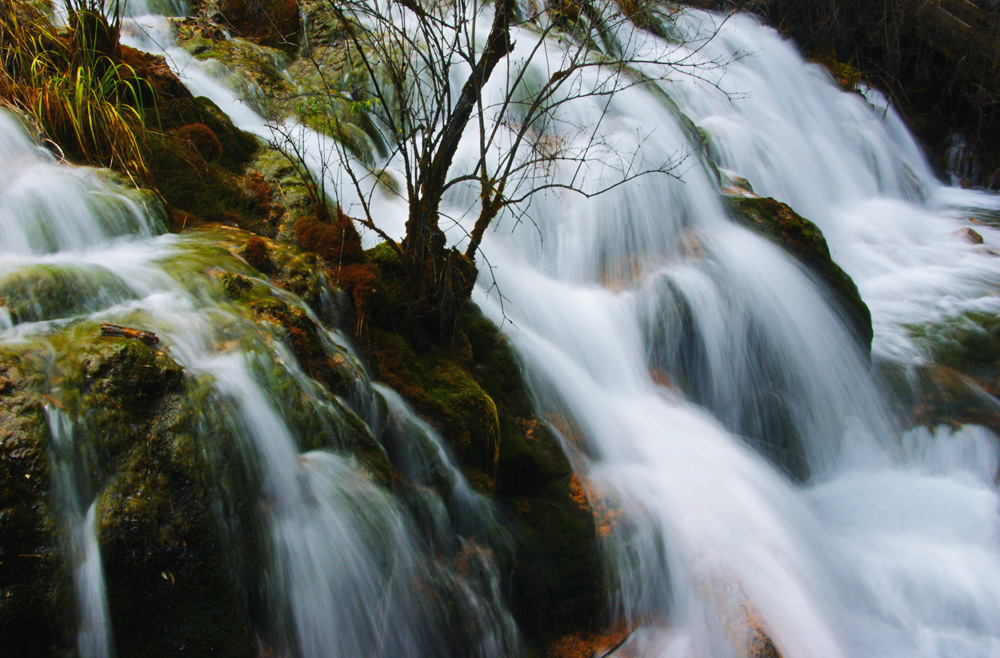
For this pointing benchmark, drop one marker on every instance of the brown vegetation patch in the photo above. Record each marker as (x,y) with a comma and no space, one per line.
(272,22)
(258,254)
(339,242)
(202,139)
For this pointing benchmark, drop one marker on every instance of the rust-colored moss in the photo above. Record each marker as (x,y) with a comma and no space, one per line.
(257,190)
(302,334)
(360,281)
(339,242)
(587,645)
(162,88)
(259,201)
(258,254)
(202,139)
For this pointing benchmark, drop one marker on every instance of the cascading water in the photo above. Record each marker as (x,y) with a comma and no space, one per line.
(344,569)
(692,364)
(93,639)
(868,556)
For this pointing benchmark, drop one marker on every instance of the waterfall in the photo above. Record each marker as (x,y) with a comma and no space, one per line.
(703,381)
(882,549)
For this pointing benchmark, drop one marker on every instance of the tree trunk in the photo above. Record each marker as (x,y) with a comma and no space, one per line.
(442,278)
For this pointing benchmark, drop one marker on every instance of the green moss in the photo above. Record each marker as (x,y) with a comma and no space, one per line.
(236,286)
(30,564)
(797,235)
(474,394)
(173,574)
(46,292)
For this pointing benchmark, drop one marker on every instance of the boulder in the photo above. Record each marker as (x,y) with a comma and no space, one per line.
(800,237)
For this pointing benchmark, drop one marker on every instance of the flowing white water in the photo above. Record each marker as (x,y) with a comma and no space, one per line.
(70,482)
(681,348)
(890,548)
(854,171)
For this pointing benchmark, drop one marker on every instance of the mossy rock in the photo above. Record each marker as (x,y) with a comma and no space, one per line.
(174,578)
(32,615)
(961,382)
(238,147)
(155,516)
(48,292)
(797,235)
(968,343)
(475,395)
(113,388)
(931,395)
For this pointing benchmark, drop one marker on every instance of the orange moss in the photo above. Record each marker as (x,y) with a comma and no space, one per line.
(338,242)
(571,646)
(584,495)
(577,493)
(588,645)
(258,254)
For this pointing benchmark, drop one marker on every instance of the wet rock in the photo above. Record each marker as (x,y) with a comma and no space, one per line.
(32,609)
(803,239)
(933,395)
(174,576)
(47,292)
(960,383)
(155,512)
(482,408)
(969,235)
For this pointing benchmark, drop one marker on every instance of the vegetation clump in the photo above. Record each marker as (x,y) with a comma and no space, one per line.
(337,241)
(258,255)
(74,86)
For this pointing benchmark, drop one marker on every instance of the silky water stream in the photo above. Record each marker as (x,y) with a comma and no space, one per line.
(703,382)
(720,400)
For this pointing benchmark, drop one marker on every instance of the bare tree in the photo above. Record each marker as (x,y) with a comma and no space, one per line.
(432,73)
